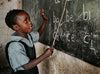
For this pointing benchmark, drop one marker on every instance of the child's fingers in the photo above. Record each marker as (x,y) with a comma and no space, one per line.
(42,12)
(51,49)
(43,15)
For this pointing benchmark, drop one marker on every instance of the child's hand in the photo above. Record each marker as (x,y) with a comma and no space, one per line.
(43,15)
(48,52)
(42,12)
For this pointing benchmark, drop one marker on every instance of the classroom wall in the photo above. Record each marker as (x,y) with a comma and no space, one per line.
(58,63)
(5,32)
(62,63)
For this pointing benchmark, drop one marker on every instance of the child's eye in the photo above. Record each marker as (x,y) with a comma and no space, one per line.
(25,21)
(29,18)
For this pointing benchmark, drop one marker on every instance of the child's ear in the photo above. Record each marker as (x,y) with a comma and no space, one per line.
(15,27)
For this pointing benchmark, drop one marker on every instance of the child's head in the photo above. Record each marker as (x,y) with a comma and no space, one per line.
(11,17)
(16,19)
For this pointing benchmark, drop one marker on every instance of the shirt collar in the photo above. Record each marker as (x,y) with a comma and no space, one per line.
(19,38)
(16,38)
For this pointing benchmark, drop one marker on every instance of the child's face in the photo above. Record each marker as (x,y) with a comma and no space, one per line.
(23,22)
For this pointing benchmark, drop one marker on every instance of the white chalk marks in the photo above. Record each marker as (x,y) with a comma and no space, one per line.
(65,34)
(86,14)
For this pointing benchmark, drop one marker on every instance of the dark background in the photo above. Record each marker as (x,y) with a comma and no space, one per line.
(79,33)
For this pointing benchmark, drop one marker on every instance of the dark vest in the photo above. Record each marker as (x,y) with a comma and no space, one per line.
(30,51)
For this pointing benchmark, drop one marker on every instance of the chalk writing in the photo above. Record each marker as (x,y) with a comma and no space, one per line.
(71,37)
(85,39)
(57,1)
(86,14)
(69,0)
(69,17)
(55,19)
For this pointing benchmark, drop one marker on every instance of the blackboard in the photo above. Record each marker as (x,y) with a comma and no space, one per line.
(79,33)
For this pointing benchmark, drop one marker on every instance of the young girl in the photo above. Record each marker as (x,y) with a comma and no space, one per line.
(20,51)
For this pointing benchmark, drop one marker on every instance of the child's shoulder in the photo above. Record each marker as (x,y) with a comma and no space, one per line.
(14,46)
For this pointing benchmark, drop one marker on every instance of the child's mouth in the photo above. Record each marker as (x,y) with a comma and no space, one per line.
(30,27)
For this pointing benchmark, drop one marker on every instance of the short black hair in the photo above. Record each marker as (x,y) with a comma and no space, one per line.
(10,17)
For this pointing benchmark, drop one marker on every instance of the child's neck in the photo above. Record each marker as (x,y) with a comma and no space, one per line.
(24,35)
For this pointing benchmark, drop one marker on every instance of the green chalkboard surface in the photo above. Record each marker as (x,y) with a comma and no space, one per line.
(79,33)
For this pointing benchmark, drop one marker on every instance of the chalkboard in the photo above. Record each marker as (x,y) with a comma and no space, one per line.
(79,33)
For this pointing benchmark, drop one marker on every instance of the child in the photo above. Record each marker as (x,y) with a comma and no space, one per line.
(20,51)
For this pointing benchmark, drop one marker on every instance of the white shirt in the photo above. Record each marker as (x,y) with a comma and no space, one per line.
(16,51)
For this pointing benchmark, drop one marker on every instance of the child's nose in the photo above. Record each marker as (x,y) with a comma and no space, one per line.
(30,22)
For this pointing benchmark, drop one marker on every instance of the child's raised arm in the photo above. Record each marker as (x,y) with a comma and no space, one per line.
(44,22)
